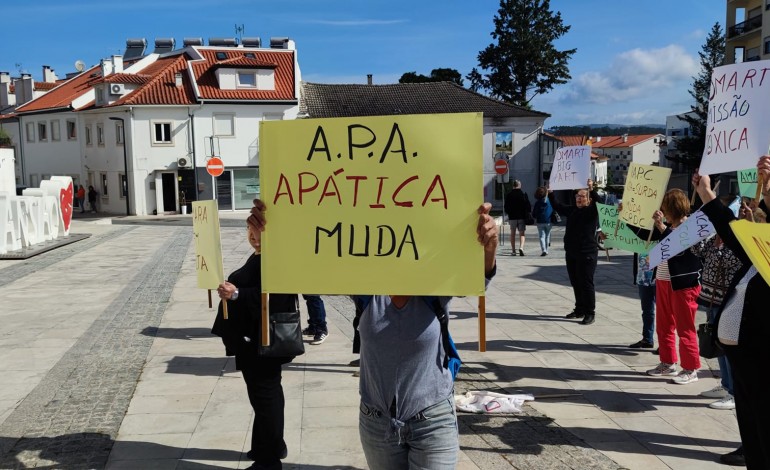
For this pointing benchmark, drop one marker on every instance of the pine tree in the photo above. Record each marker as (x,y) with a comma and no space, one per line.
(522,62)
(712,55)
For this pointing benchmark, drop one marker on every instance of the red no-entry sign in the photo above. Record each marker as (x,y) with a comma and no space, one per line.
(501,166)
(215,166)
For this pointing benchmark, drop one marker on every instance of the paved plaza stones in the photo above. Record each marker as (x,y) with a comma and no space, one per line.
(107,362)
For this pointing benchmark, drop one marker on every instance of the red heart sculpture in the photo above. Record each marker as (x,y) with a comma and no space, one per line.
(65,202)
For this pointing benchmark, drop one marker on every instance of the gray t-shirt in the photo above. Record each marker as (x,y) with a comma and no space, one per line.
(402,357)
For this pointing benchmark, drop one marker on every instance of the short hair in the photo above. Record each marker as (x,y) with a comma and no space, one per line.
(540,192)
(516,183)
(675,203)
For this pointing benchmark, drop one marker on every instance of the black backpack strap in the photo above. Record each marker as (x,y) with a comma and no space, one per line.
(443,320)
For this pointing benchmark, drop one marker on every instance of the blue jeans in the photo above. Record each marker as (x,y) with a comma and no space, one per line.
(724,365)
(428,440)
(544,231)
(647,298)
(316,313)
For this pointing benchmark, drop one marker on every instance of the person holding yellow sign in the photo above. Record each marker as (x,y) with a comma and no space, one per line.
(744,324)
(407,417)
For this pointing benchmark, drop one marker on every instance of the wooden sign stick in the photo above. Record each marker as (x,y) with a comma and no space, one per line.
(265,320)
(760,183)
(482,324)
(209,292)
(224,309)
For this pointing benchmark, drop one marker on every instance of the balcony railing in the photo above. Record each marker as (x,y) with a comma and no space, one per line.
(742,28)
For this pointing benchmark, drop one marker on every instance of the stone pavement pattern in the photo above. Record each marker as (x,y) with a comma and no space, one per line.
(107,362)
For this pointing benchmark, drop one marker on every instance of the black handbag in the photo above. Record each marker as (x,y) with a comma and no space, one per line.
(707,341)
(285,335)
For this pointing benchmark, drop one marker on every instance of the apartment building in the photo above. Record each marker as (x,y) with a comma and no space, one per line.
(747,31)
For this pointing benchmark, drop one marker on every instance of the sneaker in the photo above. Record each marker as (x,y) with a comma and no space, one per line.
(575,315)
(521,252)
(717,392)
(734,458)
(641,344)
(309,331)
(685,377)
(319,337)
(663,369)
(724,403)
(545,253)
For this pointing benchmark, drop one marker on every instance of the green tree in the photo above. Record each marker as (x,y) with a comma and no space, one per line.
(436,75)
(522,62)
(712,55)
(5,139)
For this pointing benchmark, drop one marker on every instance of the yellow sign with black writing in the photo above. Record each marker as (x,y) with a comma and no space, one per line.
(643,193)
(755,239)
(208,245)
(373,205)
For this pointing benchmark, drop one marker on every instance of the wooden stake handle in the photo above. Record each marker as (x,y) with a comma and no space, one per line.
(209,292)
(265,320)
(760,183)
(224,309)
(482,324)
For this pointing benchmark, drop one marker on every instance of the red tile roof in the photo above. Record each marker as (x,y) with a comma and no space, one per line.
(135,78)
(161,87)
(616,141)
(62,96)
(208,86)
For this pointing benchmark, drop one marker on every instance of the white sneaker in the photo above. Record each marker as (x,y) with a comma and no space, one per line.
(716,392)
(686,377)
(726,403)
(663,369)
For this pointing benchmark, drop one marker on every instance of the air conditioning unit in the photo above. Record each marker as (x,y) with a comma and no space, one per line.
(117,89)
(183,162)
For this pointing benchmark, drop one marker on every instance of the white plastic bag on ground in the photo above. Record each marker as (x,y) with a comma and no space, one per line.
(479,401)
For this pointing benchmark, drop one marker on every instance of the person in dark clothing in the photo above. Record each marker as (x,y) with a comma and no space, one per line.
(744,308)
(241,334)
(518,209)
(581,249)
(92,198)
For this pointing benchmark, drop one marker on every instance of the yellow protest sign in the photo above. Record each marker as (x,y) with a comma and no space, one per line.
(208,246)
(373,205)
(755,239)
(643,193)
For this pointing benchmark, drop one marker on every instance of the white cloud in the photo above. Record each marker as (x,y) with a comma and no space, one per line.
(633,74)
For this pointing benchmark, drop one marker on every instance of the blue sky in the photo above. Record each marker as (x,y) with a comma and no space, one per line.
(634,64)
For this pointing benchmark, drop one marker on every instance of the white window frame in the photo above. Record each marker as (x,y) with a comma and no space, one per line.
(30,130)
(153,129)
(119,133)
(55,130)
(100,134)
(220,117)
(89,136)
(246,73)
(73,135)
(42,131)
(123,182)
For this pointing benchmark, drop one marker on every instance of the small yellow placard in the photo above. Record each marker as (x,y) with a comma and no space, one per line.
(208,245)
(643,193)
(373,205)
(755,239)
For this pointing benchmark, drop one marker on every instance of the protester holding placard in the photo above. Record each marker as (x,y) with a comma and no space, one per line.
(582,250)
(744,325)
(407,408)
(644,278)
(719,267)
(240,333)
(542,212)
(676,290)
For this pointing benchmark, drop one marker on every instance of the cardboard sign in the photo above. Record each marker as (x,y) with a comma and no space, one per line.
(747,182)
(738,124)
(755,239)
(208,245)
(697,227)
(624,239)
(571,168)
(373,205)
(643,193)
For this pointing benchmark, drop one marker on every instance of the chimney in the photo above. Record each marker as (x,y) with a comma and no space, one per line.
(106,67)
(625,138)
(117,63)
(23,87)
(49,76)
(5,90)
(178,79)
(368,79)
(598,138)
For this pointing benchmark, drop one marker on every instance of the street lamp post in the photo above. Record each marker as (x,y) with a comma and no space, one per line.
(125,158)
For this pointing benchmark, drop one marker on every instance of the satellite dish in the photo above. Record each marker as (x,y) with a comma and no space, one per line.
(80,65)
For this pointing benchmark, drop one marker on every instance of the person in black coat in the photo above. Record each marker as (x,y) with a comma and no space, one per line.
(519,210)
(582,249)
(750,352)
(241,334)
